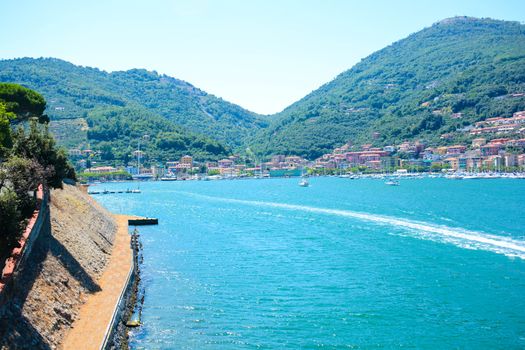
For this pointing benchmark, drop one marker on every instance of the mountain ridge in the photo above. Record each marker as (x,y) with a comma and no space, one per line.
(389,84)
(73,90)
(412,89)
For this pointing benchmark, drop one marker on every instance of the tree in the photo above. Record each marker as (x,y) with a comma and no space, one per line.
(5,130)
(39,145)
(23,102)
(10,222)
(106,151)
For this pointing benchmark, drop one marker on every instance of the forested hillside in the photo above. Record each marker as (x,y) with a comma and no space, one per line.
(435,82)
(117,131)
(74,92)
(412,89)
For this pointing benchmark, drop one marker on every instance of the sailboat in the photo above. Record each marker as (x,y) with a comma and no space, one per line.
(304,181)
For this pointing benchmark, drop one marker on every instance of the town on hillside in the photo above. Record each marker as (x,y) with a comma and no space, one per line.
(497,146)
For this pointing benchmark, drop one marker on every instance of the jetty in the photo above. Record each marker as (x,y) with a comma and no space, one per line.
(138,221)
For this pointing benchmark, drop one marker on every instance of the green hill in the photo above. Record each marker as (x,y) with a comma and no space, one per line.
(74,92)
(410,90)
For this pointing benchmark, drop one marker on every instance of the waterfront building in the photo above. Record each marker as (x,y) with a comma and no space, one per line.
(102,169)
(474,163)
(133,170)
(452,162)
(510,160)
(521,160)
(462,163)
(225,163)
(490,149)
(187,160)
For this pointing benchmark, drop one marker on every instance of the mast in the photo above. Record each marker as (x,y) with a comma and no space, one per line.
(138,159)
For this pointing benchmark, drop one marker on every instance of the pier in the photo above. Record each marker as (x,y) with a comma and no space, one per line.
(143,221)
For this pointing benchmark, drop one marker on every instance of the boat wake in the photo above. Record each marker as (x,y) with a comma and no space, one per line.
(458,236)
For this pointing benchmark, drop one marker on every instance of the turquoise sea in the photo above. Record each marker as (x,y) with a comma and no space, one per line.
(342,264)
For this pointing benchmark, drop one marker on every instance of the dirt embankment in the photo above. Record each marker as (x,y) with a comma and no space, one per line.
(64,266)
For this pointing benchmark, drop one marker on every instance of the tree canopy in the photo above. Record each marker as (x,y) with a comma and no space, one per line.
(24,103)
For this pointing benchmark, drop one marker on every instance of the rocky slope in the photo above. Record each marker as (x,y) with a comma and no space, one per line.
(65,263)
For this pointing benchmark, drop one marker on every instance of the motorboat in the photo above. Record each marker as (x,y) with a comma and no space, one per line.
(304,182)
(392,183)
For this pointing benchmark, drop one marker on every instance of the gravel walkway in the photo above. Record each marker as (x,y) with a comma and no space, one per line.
(95,315)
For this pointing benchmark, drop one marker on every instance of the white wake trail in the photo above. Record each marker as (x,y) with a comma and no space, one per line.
(467,238)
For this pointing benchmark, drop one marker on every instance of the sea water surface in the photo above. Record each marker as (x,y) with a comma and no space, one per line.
(342,264)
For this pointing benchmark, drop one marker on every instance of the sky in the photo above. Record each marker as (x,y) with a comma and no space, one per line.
(261,54)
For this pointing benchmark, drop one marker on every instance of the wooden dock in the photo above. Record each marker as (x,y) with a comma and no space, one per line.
(143,221)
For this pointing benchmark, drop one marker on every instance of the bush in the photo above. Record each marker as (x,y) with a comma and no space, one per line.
(10,223)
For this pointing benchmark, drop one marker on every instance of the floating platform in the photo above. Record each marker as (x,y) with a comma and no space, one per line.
(112,192)
(143,221)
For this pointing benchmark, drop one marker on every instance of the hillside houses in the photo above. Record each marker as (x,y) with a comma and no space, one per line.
(515,124)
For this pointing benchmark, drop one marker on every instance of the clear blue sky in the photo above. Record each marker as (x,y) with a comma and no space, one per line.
(261,54)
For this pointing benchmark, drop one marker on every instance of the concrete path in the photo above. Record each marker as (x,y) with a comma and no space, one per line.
(95,315)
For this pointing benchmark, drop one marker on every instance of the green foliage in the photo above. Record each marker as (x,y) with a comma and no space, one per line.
(5,130)
(10,222)
(117,131)
(121,174)
(409,90)
(38,145)
(21,101)
(27,159)
(74,92)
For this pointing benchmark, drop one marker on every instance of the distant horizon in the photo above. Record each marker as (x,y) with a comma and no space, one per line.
(263,55)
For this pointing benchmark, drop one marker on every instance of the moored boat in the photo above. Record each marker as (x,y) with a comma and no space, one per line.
(304,182)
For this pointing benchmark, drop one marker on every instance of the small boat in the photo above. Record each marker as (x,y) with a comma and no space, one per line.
(168,178)
(304,183)
(136,191)
(392,183)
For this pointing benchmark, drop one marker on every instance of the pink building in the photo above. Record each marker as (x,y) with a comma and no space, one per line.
(490,149)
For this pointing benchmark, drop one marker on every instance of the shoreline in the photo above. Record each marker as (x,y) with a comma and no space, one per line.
(371,175)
